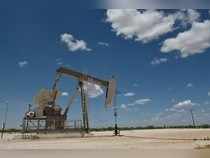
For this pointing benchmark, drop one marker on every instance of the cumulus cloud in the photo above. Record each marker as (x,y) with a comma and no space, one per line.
(182,106)
(180,113)
(64,94)
(193,41)
(103,44)
(157,61)
(193,15)
(141,26)
(93,90)
(129,94)
(73,44)
(151,4)
(187,16)
(176,114)
(22,63)
(147,25)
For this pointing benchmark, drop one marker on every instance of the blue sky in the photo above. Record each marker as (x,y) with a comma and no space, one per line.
(159,79)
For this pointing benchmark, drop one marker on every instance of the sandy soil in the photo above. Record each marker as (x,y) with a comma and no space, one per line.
(163,142)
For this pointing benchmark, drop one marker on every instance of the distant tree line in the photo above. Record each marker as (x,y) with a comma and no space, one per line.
(150,127)
(12,130)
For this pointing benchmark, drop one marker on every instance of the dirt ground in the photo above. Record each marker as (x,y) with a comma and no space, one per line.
(147,143)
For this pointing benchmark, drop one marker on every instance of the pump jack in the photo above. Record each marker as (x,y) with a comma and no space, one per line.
(110,86)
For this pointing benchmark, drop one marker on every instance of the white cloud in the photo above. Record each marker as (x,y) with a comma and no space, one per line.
(189,85)
(187,104)
(148,25)
(187,16)
(157,61)
(93,90)
(22,63)
(141,26)
(180,107)
(103,44)
(64,94)
(60,63)
(136,102)
(123,106)
(154,4)
(129,94)
(207,102)
(180,113)
(203,110)
(142,101)
(193,15)
(72,43)
(208,93)
(194,41)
